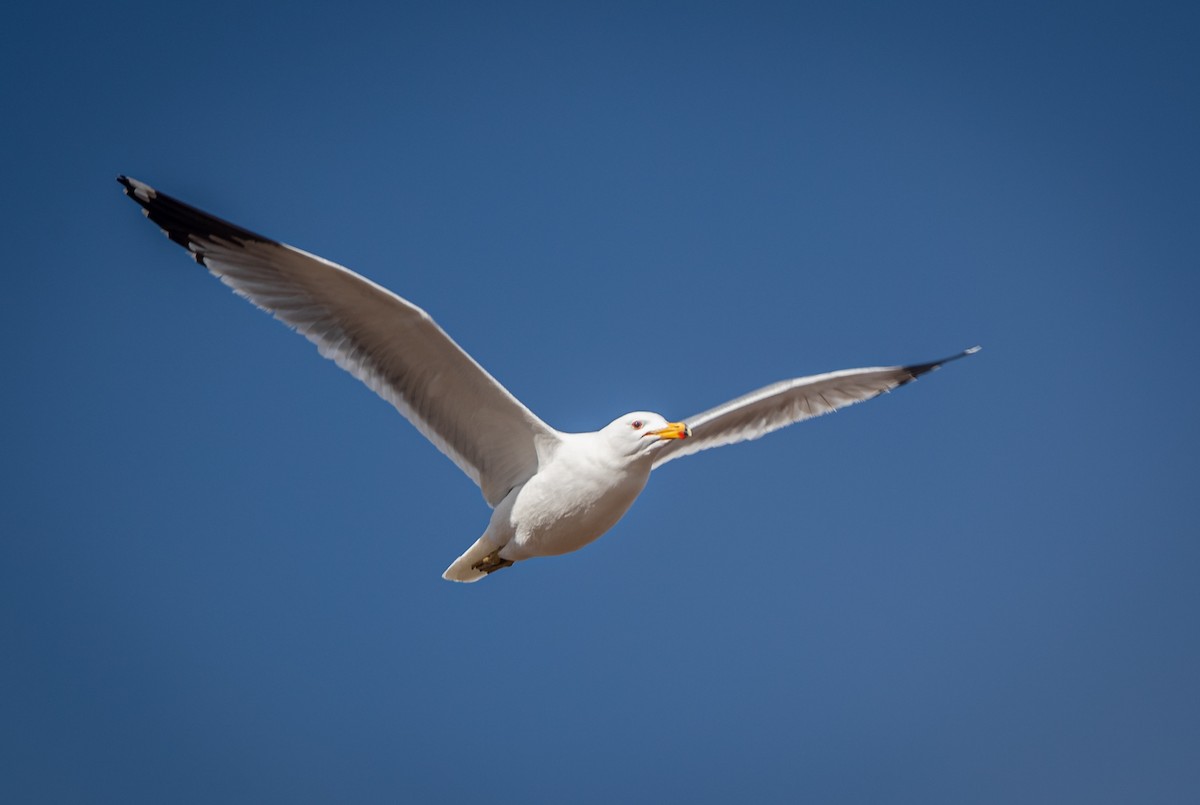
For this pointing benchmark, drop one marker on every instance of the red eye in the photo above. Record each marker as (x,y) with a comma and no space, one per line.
(637,424)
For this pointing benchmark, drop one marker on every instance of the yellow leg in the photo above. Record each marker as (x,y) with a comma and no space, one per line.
(491,563)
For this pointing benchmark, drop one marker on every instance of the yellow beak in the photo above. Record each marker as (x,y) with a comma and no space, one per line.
(673,430)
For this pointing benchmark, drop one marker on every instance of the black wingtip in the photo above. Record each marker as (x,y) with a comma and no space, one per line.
(918,369)
(184,224)
(133,185)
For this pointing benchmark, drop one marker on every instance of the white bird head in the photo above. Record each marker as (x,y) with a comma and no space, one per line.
(638,432)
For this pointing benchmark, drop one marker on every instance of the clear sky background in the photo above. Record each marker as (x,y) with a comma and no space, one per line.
(221,556)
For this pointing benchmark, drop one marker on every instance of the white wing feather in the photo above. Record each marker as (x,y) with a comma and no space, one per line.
(781,404)
(387,342)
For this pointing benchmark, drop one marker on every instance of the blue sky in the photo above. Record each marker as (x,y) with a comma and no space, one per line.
(219,577)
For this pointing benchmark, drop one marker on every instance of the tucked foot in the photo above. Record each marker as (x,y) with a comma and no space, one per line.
(491,563)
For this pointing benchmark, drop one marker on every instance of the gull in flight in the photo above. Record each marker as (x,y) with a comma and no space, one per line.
(551,492)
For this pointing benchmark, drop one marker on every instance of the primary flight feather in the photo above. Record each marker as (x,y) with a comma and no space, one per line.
(552,492)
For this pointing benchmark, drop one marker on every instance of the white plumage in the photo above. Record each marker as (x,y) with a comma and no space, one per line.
(552,492)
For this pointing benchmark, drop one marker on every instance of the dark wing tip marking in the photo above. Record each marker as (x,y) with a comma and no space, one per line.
(183,223)
(918,369)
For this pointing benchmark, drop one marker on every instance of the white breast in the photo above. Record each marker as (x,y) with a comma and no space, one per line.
(574,499)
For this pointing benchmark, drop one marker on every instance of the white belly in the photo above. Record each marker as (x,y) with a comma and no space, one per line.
(569,504)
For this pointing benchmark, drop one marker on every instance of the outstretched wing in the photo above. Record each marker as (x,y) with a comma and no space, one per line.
(789,401)
(387,342)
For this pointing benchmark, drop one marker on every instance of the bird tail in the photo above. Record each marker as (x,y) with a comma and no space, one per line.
(462,570)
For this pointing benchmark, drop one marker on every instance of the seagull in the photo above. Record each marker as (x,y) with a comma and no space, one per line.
(551,492)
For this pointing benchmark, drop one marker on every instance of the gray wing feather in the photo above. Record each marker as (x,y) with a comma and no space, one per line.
(388,343)
(787,402)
